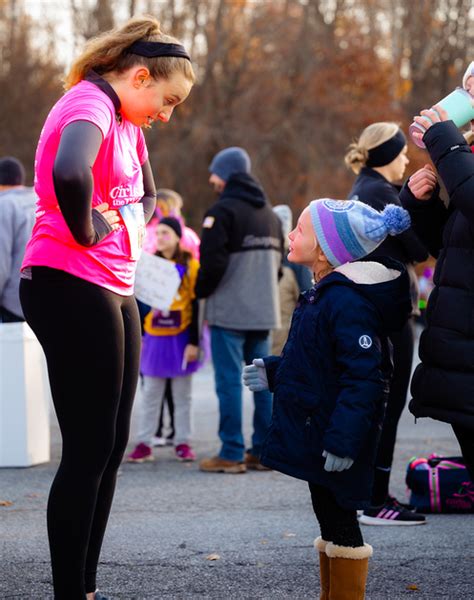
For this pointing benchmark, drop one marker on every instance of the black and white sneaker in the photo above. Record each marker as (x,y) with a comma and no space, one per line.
(390,513)
(406,505)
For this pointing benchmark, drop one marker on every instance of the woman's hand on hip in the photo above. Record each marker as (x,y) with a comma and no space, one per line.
(423,182)
(111,215)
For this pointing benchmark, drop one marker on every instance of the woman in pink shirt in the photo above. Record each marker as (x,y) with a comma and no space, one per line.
(96,194)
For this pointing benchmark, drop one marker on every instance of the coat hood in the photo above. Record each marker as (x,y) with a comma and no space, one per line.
(383,281)
(244,187)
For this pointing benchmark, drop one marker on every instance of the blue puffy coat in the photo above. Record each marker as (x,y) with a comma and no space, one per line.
(331,381)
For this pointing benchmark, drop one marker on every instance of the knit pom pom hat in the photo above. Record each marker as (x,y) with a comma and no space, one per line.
(348,229)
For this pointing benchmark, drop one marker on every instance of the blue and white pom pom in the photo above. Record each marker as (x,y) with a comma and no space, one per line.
(396,219)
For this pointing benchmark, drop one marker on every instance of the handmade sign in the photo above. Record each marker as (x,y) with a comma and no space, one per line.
(157,281)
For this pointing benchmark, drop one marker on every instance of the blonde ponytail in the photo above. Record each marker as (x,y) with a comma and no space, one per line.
(107,52)
(356,157)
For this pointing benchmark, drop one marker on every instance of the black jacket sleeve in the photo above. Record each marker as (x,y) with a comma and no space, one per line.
(149,198)
(73,182)
(194,325)
(428,217)
(454,161)
(214,250)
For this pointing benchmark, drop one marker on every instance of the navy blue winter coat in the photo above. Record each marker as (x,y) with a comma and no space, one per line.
(331,381)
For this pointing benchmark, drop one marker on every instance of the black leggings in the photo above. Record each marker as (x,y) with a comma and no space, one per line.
(91,338)
(338,525)
(403,344)
(466,441)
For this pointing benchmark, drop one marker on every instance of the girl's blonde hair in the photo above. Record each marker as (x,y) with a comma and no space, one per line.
(371,137)
(107,52)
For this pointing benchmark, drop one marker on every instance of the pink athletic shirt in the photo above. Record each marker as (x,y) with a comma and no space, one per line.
(118,180)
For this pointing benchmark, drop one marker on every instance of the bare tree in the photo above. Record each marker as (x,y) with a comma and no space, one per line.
(293,81)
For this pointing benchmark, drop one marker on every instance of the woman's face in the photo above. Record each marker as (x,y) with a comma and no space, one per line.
(303,243)
(396,169)
(145,100)
(166,239)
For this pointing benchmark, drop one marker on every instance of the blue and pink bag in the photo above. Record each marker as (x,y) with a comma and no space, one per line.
(440,484)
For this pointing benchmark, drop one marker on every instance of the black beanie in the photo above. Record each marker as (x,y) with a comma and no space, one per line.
(384,153)
(174,224)
(11,171)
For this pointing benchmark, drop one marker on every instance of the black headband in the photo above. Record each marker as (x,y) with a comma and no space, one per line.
(154,49)
(388,151)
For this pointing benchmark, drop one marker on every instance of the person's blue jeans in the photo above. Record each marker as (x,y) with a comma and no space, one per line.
(230,350)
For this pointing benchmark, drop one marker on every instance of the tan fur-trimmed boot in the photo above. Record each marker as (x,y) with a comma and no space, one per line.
(320,546)
(348,571)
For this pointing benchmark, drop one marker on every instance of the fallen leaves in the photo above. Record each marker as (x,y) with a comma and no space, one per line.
(213,557)
(6,503)
(412,587)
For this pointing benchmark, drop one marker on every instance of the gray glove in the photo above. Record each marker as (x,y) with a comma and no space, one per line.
(255,376)
(336,463)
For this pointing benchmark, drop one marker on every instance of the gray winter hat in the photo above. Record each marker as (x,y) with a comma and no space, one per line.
(229,161)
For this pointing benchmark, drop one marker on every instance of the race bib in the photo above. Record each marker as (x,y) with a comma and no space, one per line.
(134,219)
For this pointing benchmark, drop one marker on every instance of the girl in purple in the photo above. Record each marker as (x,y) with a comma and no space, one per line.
(96,194)
(170,350)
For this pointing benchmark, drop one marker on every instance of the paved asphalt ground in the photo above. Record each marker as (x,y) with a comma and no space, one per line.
(168,518)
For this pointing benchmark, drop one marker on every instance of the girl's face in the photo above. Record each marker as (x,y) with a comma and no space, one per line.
(396,169)
(145,100)
(166,239)
(303,242)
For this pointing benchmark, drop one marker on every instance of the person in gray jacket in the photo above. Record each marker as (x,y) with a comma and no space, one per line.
(17,206)
(241,252)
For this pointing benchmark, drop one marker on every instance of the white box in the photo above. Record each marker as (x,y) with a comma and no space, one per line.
(24,398)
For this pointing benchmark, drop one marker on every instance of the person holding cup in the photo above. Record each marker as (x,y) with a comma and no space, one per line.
(379,157)
(443,383)
(458,107)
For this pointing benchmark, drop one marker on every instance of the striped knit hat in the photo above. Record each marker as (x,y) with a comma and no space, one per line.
(348,229)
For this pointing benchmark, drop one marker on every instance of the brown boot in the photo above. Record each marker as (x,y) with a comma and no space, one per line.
(348,571)
(216,464)
(253,463)
(320,546)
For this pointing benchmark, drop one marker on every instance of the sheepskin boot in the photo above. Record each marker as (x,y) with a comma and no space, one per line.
(320,546)
(348,571)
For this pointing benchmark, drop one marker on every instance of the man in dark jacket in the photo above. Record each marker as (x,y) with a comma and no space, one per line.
(443,384)
(241,250)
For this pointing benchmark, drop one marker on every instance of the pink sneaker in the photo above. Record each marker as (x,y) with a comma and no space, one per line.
(185,453)
(142,453)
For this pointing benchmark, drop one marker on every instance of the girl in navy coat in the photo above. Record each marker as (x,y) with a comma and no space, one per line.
(331,381)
